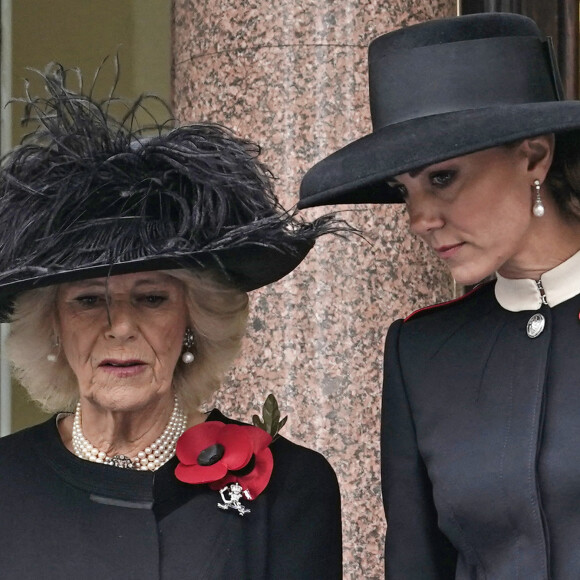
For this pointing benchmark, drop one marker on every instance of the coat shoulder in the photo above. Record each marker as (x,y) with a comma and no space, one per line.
(473,299)
(13,446)
(302,466)
(458,324)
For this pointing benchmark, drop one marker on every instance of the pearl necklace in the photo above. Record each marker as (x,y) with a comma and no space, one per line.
(150,459)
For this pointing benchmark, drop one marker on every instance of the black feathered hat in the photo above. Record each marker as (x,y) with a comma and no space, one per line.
(88,195)
(442,89)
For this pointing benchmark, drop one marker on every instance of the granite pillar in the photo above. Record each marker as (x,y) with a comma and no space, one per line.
(292,76)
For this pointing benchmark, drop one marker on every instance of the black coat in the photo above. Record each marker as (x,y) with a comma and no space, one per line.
(68,519)
(481,443)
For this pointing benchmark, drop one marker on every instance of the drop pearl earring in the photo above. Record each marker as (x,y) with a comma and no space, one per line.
(51,356)
(538,209)
(188,341)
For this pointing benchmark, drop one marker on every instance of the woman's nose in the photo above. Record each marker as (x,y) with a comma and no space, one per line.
(121,323)
(424,217)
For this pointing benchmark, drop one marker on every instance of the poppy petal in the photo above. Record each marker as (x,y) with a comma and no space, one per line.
(260,438)
(221,483)
(238,446)
(200,474)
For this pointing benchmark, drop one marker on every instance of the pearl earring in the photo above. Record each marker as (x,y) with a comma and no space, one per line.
(188,341)
(538,209)
(51,356)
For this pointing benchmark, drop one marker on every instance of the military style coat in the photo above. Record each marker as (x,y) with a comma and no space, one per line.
(481,434)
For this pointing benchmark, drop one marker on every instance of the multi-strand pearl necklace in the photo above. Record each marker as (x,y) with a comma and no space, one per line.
(150,459)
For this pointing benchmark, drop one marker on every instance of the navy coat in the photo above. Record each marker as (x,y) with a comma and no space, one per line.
(481,443)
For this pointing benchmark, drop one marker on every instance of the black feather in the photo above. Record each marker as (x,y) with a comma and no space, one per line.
(86,189)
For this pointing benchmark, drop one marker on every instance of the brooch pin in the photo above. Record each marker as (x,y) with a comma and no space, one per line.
(535,325)
(236,491)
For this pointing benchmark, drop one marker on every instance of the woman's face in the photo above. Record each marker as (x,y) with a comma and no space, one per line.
(474,211)
(122,337)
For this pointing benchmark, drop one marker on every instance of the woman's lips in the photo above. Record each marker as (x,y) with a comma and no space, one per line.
(446,252)
(122,368)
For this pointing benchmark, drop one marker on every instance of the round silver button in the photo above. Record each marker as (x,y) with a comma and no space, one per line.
(535,325)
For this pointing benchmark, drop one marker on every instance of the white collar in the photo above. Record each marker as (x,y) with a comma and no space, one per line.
(560,284)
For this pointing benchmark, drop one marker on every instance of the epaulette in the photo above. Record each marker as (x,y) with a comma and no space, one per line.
(441,305)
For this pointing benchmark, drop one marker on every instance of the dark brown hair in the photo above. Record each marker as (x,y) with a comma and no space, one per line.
(563,179)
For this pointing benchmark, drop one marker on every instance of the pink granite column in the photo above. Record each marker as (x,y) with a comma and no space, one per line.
(292,75)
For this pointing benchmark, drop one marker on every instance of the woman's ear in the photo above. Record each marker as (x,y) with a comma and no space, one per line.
(539,152)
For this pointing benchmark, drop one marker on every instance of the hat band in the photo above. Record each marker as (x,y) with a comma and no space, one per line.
(457,76)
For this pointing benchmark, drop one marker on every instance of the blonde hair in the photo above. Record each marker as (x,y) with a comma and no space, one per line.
(217,315)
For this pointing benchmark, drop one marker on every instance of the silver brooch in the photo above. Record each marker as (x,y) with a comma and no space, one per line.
(535,325)
(122,461)
(234,493)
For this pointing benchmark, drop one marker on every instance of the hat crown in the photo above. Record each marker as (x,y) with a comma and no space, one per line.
(458,64)
(449,30)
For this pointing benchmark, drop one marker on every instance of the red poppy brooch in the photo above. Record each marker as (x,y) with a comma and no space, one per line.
(235,460)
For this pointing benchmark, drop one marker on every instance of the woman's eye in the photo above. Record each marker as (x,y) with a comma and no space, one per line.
(402,191)
(399,188)
(153,299)
(442,178)
(87,301)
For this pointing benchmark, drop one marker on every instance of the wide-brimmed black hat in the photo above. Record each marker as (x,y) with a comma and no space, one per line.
(441,89)
(88,194)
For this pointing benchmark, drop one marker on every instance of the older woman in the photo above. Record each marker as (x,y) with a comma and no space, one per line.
(125,258)
(481,413)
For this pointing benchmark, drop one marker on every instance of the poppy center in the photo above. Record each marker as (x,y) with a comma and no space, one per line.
(211,454)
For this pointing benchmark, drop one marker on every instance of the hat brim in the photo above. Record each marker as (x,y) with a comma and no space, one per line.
(357,173)
(246,267)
